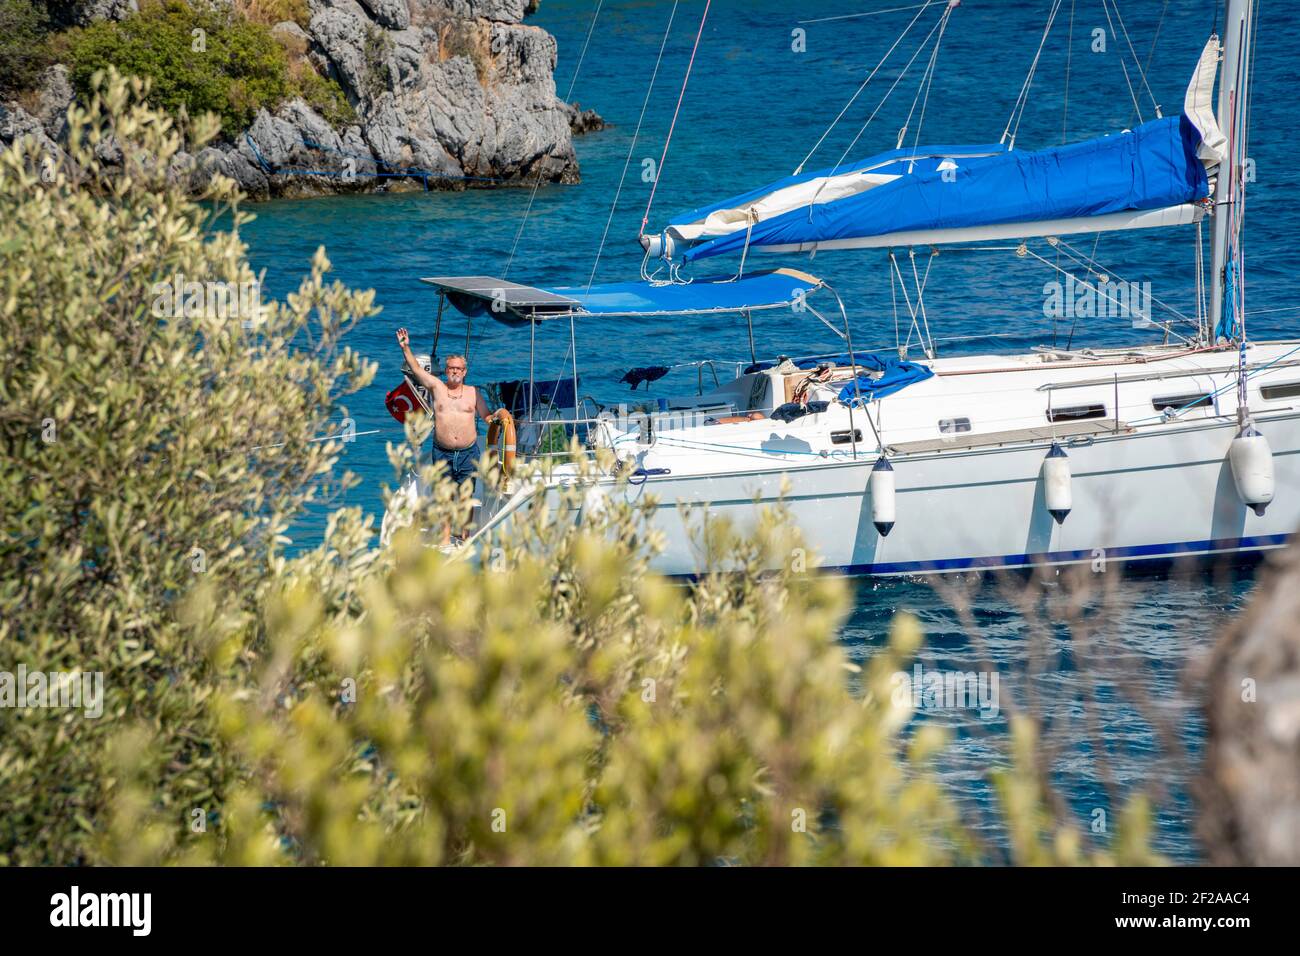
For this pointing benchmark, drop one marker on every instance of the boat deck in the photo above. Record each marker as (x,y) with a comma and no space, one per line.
(1016,435)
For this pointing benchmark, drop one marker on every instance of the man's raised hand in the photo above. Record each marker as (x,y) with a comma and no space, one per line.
(403,338)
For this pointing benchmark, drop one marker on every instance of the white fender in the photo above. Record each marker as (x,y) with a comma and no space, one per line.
(1056,483)
(1251,459)
(881,486)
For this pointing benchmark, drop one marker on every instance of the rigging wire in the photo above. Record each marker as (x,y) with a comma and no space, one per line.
(1137,63)
(1022,100)
(632,146)
(591,28)
(659,171)
(1105,6)
(567,96)
(1092,265)
(1249,106)
(1151,54)
(1069,58)
(863,86)
(869,13)
(1104,295)
(844,155)
(1096,270)
(927,81)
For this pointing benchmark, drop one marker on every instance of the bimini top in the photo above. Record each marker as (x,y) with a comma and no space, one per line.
(1156,174)
(516,304)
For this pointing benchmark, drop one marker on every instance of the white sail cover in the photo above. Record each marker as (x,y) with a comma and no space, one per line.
(1198,106)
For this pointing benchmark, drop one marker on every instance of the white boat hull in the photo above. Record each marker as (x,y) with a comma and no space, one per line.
(1136,497)
(1142,486)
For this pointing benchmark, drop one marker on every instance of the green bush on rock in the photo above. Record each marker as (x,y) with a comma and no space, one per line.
(204,60)
(24,50)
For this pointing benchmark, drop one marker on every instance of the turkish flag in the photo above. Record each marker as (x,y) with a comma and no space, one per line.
(402,400)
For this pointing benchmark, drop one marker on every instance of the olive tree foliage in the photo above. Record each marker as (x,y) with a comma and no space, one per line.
(541,697)
(546,699)
(145,448)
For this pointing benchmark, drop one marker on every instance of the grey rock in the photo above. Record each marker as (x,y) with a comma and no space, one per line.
(268,142)
(341,37)
(108,152)
(92,10)
(16,122)
(406,59)
(234,165)
(44,155)
(394,14)
(54,96)
(291,35)
(448,91)
(500,11)
(582,121)
(309,129)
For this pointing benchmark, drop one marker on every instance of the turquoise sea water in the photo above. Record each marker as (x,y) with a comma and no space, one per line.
(753,109)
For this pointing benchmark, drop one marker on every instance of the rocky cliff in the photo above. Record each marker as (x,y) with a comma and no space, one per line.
(447,94)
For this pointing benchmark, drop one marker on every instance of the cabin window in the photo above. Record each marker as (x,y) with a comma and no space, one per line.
(1180,403)
(1286,390)
(952,426)
(1076,413)
(846,437)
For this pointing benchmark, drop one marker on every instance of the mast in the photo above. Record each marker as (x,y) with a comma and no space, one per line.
(1234,100)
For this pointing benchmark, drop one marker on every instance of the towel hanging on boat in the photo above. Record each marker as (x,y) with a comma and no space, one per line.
(895,375)
(648,374)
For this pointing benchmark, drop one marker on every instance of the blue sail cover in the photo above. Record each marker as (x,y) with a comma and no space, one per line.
(894,375)
(892,163)
(1154,166)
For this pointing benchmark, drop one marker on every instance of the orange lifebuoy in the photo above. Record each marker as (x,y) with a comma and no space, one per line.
(503,425)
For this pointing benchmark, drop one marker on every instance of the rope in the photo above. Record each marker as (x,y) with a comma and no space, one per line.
(632,147)
(411,172)
(920,298)
(907,301)
(1201,317)
(893,298)
(373,431)
(1160,302)
(676,110)
(863,86)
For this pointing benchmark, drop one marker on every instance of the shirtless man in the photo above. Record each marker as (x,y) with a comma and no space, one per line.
(454,407)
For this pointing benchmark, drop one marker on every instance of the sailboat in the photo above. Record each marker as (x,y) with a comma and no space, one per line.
(910,463)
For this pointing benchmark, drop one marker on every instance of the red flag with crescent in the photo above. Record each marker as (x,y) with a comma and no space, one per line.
(402,400)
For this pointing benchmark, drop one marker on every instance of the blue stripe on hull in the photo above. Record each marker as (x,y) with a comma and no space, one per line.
(1130,555)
